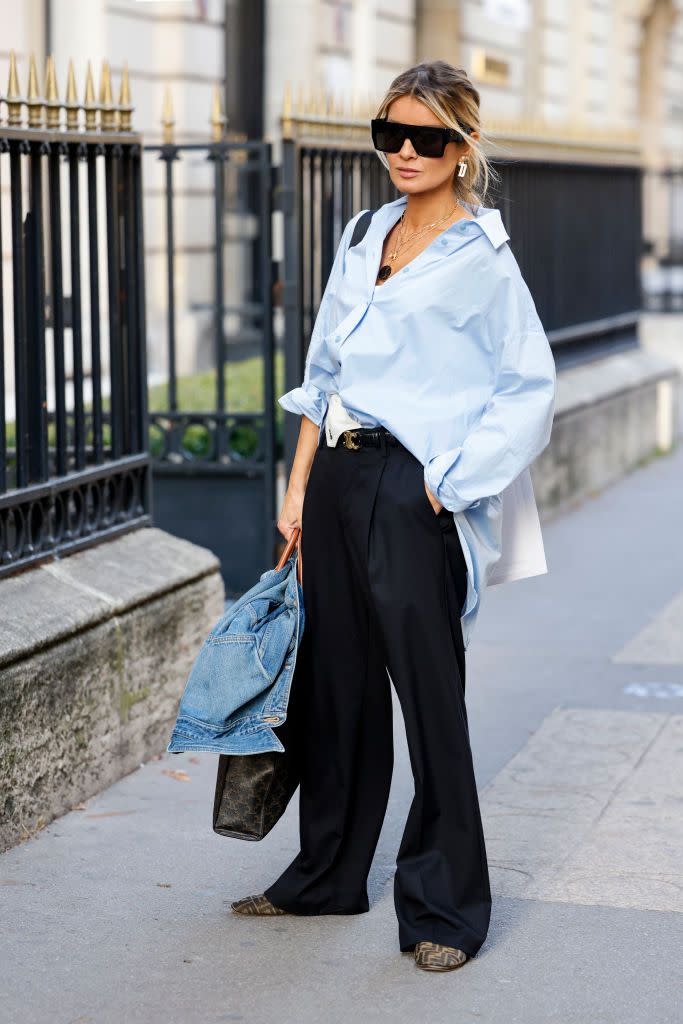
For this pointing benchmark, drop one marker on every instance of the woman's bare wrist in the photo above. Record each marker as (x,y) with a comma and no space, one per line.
(303,457)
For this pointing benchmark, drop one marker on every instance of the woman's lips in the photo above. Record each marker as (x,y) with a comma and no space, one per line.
(406,173)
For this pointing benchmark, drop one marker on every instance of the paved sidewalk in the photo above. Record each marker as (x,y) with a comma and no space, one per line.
(119,912)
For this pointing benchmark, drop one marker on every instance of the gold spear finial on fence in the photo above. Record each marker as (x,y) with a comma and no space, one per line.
(107,108)
(287,125)
(52,104)
(320,113)
(89,105)
(125,105)
(356,107)
(33,100)
(321,127)
(218,118)
(338,107)
(299,110)
(71,104)
(167,119)
(13,96)
(309,102)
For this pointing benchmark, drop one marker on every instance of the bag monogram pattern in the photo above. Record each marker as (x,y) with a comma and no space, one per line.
(252,792)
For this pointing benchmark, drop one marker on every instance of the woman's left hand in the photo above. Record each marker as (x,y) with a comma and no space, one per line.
(432,500)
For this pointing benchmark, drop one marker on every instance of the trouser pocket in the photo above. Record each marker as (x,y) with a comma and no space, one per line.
(444,517)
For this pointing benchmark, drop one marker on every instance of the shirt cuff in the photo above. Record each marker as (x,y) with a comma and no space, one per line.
(308,401)
(435,472)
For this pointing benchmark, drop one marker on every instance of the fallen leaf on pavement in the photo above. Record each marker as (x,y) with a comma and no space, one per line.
(110,814)
(181,776)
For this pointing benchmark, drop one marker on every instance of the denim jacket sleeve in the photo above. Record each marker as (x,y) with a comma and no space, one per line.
(516,422)
(310,398)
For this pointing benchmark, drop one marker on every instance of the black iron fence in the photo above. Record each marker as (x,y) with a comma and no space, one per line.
(74,466)
(576,231)
(212,430)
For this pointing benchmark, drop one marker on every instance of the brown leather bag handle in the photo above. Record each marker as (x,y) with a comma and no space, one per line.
(294,538)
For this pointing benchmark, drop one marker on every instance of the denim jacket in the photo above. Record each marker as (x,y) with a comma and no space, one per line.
(239,685)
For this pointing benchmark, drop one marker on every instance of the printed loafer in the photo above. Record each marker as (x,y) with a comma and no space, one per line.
(432,956)
(256,905)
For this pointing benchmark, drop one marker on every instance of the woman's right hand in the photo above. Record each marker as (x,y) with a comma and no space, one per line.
(291,513)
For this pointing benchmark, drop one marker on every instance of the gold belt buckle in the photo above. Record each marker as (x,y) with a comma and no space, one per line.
(348,440)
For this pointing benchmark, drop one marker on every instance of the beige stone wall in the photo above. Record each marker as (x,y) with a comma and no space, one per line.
(611,415)
(596,65)
(592,65)
(165,44)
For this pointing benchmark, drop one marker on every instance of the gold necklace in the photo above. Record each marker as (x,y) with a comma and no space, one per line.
(385,270)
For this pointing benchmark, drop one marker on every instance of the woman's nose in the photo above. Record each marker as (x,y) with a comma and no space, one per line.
(407,152)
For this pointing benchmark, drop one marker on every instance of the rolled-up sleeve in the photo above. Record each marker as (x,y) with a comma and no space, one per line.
(307,400)
(516,423)
(311,397)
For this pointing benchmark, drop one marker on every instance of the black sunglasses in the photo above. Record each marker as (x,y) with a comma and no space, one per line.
(389,136)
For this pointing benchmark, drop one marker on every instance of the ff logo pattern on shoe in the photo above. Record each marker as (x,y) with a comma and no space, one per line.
(256,905)
(432,956)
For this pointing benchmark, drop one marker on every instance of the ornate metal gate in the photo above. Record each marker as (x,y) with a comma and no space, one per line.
(212,433)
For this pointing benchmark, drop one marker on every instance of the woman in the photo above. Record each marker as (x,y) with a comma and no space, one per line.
(429,387)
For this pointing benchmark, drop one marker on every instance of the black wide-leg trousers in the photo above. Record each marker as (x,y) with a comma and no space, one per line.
(384,579)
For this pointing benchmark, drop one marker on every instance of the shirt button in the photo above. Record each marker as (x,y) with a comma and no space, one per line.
(463,227)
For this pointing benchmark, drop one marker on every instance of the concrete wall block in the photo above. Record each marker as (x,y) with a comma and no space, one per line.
(85,708)
(594,445)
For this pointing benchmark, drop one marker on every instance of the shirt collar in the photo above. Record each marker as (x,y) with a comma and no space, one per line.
(487,218)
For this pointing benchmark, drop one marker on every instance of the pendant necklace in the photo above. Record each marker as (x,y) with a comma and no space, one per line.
(385,270)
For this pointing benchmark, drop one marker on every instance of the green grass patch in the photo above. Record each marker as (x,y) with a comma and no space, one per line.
(244,393)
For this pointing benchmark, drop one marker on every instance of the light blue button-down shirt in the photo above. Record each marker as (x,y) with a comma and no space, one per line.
(449,354)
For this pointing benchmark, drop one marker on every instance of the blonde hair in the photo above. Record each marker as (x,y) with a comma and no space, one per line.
(450,95)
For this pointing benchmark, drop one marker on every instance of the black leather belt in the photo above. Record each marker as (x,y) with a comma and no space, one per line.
(365,437)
